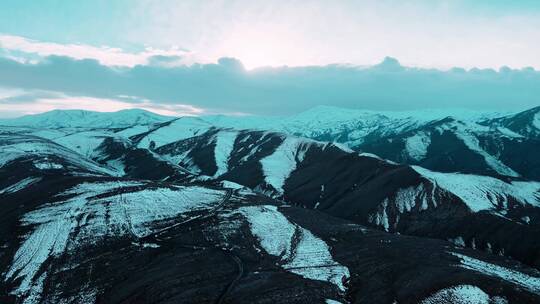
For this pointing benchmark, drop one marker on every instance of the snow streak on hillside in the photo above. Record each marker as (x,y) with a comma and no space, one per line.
(417,145)
(123,208)
(20,185)
(278,166)
(224,142)
(531,283)
(463,294)
(484,192)
(299,250)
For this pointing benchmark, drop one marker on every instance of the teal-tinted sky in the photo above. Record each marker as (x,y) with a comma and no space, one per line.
(147,40)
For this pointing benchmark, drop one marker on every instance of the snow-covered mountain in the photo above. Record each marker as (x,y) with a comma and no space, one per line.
(451,145)
(238,210)
(526,123)
(443,140)
(87,119)
(363,188)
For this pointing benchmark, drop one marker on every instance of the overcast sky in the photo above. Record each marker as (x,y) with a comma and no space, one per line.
(268,57)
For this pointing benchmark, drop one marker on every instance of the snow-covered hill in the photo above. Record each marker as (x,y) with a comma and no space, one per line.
(93,239)
(241,210)
(371,191)
(451,145)
(526,123)
(87,119)
(443,140)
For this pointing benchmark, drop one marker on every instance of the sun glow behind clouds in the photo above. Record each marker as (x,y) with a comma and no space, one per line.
(420,33)
(435,34)
(256,50)
(259,43)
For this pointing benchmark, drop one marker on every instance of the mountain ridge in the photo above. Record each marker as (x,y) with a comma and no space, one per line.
(186,209)
(87,119)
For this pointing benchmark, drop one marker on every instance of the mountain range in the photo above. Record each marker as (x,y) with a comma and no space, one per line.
(329,206)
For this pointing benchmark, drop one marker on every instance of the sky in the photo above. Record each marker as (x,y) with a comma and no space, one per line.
(268,57)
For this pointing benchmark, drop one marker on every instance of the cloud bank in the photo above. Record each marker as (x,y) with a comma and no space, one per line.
(227,87)
(14,45)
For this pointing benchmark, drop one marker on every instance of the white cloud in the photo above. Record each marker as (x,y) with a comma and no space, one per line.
(108,56)
(60,101)
(6,93)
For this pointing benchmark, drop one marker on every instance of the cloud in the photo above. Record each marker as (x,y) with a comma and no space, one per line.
(108,56)
(20,102)
(424,33)
(227,87)
(421,33)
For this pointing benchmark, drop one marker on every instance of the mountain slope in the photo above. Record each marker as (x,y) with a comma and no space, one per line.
(449,145)
(526,123)
(43,154)
(99,239)
(449,141)
(186,211)
(367,190)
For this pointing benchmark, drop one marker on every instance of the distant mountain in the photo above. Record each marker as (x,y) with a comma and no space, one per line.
(526,123)
(443,140)
(87,119)
(451,145)
(348,126)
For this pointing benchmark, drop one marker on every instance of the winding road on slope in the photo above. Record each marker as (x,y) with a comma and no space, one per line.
(230,287)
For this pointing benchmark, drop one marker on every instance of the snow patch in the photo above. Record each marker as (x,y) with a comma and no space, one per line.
(45,165)
(509,133)
(380,218)
(18,186)
(300,251)
(406,198)
(342,147)
(85,143)
(182,128)
(34,296)
(484,192)
(460,294)
(417,145)
(473,144)
(371,155)
(224,146)
(137,213)
(518,278)
(278,166)
(150,245)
